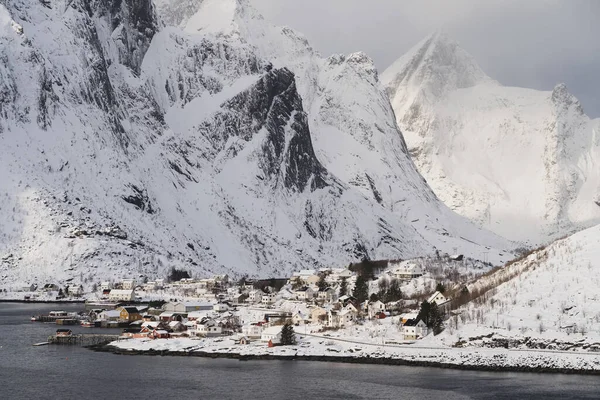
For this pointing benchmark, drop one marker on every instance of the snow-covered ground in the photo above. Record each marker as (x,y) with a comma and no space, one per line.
(521,162)
(550,299)
(324,346)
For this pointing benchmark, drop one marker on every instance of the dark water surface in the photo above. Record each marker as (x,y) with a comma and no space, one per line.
(69,372)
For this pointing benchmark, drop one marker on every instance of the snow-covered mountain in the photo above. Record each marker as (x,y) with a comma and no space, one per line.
(522,163)
(222,144)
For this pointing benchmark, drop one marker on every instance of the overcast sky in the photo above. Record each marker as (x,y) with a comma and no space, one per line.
(533,43)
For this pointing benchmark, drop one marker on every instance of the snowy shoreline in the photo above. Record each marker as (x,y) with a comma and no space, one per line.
(499,360)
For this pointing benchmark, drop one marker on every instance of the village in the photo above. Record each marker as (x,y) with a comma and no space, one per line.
(394,303)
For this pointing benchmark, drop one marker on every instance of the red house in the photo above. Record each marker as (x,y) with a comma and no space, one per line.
(160,334)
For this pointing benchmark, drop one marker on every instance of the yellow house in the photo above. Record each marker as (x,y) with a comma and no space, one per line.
(129,314)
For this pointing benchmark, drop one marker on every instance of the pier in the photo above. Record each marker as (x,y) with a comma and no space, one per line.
(82,339)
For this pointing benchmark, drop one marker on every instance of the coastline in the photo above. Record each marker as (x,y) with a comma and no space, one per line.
(78,301)
(391,360)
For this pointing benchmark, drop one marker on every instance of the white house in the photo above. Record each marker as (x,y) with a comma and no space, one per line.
(437,298)
(406,270)
(300,318)
(209,328)
(128,284)
(337,275)
(106,285)
(348,315)
(268,298)
(272,333)
(375,307)
(255,296)
(110,315)
(121,295)
(326,295)
(252,331)
(75,290)
(333,318)
(220,307)
(414,329)
(305,294)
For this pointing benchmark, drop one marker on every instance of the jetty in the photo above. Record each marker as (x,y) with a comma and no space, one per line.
(84,339)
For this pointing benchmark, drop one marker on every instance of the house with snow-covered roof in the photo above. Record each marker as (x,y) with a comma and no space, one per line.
(326,295)
(438,298)
(268,298)
(128,284)
(406,270)
(118,295)
(255,296)
(375,307)
(348,315)
(252,331)
(414,329)
(304,293)
(272,334)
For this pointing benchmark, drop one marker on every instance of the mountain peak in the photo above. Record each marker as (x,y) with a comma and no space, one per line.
(563,99)
(437,64)
(221,16)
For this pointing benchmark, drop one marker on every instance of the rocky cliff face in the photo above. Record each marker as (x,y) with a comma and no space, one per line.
(520,162)
(128,148)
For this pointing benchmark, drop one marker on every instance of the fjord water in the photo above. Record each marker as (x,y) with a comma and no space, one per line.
(70,372)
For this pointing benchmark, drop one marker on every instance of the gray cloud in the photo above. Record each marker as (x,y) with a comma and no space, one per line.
(534,43)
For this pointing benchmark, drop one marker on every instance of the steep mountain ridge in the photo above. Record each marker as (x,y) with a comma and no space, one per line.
(130,147)
(349,114)
(520,162)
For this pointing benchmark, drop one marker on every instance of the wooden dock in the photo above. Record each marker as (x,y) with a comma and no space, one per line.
(83,339)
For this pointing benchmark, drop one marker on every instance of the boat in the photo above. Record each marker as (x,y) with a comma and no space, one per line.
(87,324)
(41,344)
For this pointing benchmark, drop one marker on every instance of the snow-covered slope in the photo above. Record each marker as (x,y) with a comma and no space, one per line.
(128,147)
(548,300)
(352,123)
(520,162)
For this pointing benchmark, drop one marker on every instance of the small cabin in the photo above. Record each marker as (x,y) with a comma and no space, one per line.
(160,334)
(63,332)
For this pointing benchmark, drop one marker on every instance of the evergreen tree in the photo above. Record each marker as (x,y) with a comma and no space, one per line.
(361,290)
(432,316)
(344,286)
(288,336)
(393,293)
(322,283)
(440,287)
